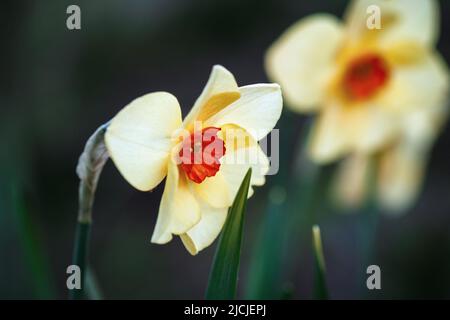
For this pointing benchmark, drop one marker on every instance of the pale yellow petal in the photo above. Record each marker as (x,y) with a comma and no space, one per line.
(401,174)
(220,91)
(341,128)
(206,231)
(303,59)
(179,210)
(416,85)
(139,138)
(401,20)
(257,110)
(402,167)
(214,191)
(423,126)
(369,127)
(351,181)
(328,140)
(236,164)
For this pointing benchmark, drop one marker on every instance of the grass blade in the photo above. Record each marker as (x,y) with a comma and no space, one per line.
(320,285)
(223,278)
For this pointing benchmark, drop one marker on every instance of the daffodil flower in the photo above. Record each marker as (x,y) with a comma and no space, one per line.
(148,141)
(375,90)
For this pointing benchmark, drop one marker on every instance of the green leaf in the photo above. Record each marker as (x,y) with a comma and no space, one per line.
(320,285)
(34,249)
(223,278)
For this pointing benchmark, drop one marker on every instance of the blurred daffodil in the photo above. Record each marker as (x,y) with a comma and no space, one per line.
(376,91)
(148,141)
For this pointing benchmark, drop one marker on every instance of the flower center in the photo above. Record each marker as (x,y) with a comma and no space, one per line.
(365,76)
(200,154)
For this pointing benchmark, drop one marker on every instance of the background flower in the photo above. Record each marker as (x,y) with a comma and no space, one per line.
(376,91)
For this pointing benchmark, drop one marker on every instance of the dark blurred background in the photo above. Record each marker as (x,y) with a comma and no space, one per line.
(57,86)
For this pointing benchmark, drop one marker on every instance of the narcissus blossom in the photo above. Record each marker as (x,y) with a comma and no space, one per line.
(203,163)
(376,91)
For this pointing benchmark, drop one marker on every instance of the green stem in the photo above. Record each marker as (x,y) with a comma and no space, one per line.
(80,255)
(90,166)
(93,291)
(367,229)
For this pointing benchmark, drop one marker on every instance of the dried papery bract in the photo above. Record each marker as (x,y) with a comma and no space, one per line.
(89,168)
